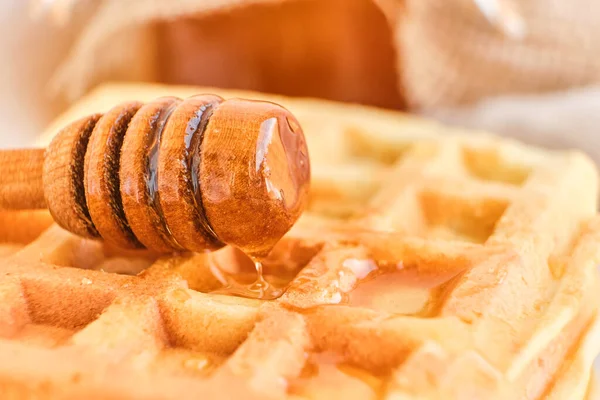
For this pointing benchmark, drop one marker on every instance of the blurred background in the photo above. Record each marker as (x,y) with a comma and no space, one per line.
(523,68)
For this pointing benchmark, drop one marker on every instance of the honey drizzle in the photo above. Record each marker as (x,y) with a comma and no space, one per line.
(396,288)
(259,289)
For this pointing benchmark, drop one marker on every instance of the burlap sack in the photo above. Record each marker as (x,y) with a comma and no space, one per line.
(456,56)
(448,52)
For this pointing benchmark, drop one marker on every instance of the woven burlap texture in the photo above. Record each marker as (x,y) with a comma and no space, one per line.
(450,52)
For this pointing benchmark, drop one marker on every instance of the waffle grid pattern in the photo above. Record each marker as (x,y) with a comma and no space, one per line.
(507,233)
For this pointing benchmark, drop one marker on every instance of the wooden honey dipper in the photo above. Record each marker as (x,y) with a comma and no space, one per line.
(169,175)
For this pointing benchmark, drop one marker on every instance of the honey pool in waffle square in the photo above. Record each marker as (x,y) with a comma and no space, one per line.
(431,263)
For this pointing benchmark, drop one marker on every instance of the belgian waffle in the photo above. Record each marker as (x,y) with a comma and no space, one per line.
(431,263)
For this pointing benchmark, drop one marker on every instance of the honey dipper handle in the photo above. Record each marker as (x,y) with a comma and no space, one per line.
(21,185)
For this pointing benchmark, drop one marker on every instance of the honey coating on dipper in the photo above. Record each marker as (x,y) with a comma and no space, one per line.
(139,175)
(178,163)
(253,165)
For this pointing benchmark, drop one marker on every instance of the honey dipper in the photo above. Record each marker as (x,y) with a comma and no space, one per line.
(169,175)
